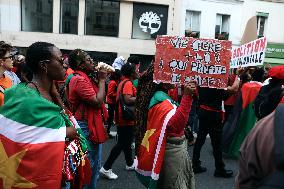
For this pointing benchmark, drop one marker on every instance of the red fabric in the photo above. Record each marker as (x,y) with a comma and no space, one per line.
(276,72)
(232,99)
(31,166)
(68,72)
(152,149)
(128,89)
(178,121)
(204,107)
(82,90)
(111,92)
(249,92)
(14,69)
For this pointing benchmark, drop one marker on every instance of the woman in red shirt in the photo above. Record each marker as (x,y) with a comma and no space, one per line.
(111,97)
(125,128)
(86,96)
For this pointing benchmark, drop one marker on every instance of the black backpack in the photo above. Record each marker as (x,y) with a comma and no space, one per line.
(276,179)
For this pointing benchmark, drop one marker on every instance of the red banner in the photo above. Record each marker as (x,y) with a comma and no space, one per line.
(183,59)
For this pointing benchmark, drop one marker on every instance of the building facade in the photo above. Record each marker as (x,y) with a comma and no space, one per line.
(111,28)
(269,24)
(104,28)
(227,19)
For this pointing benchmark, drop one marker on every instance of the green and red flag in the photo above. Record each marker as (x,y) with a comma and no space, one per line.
(243,120)
(32,140)
(151,151)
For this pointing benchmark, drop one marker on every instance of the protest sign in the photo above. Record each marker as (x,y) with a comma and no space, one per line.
(183,59)
(249,54)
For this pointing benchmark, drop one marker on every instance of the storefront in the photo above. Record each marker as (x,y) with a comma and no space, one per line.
(274,54)
(149,20)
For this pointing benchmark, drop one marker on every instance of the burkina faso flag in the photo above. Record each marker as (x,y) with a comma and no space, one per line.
(32,139)
(151,151)
(242,119)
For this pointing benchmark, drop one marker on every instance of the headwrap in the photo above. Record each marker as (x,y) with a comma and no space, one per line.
(118,63)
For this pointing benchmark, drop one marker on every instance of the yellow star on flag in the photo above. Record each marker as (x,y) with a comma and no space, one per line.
(8,170)
(145,141)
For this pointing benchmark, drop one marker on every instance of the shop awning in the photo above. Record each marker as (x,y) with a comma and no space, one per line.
(274,61)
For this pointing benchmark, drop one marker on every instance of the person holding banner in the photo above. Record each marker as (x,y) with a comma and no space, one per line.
(211,117)
(162,156)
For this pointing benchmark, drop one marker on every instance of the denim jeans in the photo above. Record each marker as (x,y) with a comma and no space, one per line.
(95,156)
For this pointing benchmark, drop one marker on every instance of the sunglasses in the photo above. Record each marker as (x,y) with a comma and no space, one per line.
(61,60)
(12,57)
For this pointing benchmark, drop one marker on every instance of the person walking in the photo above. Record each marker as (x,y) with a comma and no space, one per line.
(33,126)
(163,160)
(211,119)
(125,128)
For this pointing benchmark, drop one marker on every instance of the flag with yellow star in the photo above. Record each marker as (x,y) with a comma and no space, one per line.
(151,151)
(32,140)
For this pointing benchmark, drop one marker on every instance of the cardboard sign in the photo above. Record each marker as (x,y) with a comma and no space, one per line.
(183,59)
(250,54)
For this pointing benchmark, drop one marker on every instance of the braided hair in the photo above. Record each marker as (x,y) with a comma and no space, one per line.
(4,48)
(145,91)
(37,52)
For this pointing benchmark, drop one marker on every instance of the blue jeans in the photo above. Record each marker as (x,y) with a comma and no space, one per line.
(95,156)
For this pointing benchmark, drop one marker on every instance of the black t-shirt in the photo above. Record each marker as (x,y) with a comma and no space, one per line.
(211,97)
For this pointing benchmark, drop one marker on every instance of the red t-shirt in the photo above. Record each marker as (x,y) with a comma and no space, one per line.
(128,89)
(111,92)
(80,90)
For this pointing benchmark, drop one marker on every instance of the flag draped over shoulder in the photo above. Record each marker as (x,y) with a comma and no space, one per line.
(151,151)
(242,119)
(32,139)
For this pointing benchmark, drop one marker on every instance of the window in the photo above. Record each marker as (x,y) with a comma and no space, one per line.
(192,24)
(261,23)
(36,15)
(106,57)
(149,20)
(222,27)
(102,17)
(69,16)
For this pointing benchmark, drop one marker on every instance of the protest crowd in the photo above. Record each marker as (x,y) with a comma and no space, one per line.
(58,110)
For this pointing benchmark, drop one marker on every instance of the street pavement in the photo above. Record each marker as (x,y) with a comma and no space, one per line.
(128,180)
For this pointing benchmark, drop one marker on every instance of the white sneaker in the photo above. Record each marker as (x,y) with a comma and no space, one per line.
(130,168)
(108,174)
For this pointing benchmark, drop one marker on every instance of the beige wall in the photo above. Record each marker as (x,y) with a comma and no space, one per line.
(274,28)
(123,44)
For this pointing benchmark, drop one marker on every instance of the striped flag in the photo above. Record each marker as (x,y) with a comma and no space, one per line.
(151,151)
(242,119)
(32,139)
